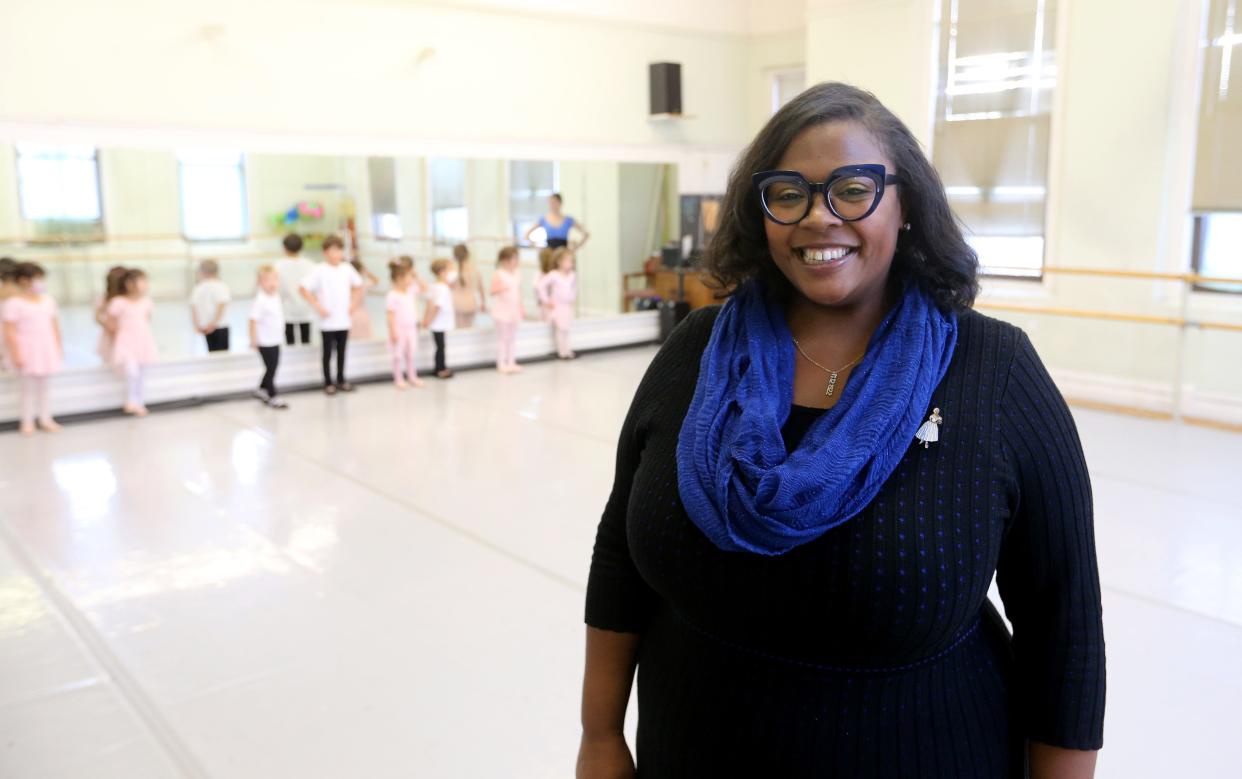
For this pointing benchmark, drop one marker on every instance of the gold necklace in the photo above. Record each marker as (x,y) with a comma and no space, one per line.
(832,375)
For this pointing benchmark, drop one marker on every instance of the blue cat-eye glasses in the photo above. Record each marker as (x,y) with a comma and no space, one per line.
(852,192)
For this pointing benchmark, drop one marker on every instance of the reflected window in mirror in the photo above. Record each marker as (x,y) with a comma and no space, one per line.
(531,183)
(58,191)
(213,195)
(450,223)
(382,176)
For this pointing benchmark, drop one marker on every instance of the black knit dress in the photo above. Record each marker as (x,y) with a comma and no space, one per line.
(870,651)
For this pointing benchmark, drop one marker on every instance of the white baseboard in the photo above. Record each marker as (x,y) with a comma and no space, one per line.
(96,389)
(1147,395)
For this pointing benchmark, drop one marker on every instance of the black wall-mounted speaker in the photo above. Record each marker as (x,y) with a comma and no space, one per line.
(665,87)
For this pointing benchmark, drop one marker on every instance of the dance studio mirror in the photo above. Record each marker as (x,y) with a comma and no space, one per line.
(79,210)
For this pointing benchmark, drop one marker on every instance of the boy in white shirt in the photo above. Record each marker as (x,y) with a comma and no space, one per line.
(267,326)
(333,289)
(292,270)
(208,302)
(440,317)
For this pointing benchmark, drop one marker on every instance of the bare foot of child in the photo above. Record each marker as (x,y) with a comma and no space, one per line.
(49,426)
(417,382)
(401,385)
(26,429)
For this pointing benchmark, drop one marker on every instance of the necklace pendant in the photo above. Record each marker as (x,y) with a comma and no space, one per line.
(832,384)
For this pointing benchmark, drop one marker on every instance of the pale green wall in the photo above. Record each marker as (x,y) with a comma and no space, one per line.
(641,190)
(591,191)
(766,54)
(138,176)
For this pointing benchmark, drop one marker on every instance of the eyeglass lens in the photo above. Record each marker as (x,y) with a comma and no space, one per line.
(789,200)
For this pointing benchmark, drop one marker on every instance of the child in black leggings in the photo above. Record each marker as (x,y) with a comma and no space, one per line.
(267,325)
(440,317)
(333,289)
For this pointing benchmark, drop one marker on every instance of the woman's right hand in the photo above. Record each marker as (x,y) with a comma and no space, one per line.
(605,757)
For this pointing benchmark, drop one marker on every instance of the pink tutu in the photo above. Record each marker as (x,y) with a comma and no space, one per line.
(134,343)
(35,321)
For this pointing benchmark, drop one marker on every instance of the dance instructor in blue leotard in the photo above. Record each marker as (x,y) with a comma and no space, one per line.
(557,226)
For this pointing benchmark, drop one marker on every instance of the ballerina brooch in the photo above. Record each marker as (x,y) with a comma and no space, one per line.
(929,431)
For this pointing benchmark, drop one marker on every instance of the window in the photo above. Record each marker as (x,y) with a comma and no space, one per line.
(1217,200)
(531,183)
(58,189)
(449,222)
(213,195)
(995,87)
(382,176)
(786,85)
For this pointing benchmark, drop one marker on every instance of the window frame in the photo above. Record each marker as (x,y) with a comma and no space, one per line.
(99,236)
(245,202)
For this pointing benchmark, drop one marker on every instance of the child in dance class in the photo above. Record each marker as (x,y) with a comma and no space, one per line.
(507,309)
(332,289)
(440,317)
(32,338)
(468,298)
(402,305)
(546,266)
(557,292)
(112,288)
(292,270)
(420,286)
(267,329)
(360,328)
(133,343)
(209,302)
(8,288)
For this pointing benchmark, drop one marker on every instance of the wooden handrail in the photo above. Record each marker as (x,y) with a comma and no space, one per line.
(95,238)
(1086,313)
(1193,278)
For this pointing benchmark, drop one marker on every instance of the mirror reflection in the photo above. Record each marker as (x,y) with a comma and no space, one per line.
(201,223)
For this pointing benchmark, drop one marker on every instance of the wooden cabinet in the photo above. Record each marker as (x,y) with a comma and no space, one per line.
(697,293)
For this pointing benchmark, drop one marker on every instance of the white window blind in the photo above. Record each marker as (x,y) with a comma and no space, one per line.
(994,105)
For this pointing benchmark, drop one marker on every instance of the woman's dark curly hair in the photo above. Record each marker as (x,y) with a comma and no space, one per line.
(933,252)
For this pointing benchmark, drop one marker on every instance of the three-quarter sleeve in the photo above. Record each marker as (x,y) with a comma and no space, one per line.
(1047,573)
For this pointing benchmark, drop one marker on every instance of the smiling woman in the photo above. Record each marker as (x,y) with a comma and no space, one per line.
(799,573)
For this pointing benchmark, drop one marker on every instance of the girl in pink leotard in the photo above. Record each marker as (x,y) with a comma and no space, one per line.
(403,325)
(557,292)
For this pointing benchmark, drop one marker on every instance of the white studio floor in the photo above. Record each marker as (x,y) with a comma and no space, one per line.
(390,584)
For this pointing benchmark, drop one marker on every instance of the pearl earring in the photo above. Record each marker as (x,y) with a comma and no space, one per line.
(906,227)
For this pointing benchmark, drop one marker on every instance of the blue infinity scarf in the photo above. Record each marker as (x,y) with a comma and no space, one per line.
(736,481)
